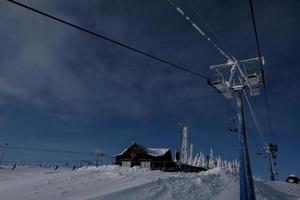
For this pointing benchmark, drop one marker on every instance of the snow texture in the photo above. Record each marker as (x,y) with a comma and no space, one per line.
(115,182)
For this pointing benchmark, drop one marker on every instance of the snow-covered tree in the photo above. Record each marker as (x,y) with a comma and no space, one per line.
(195,160)
(211,163)
(190,161)
(219,162)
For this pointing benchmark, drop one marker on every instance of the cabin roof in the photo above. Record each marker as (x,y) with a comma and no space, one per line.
(156,152)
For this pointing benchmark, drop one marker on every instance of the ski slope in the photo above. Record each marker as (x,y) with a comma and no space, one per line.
(114,182)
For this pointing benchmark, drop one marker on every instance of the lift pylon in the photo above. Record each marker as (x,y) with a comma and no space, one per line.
(231,79)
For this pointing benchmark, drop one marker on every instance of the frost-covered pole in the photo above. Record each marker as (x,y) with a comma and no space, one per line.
(246,181)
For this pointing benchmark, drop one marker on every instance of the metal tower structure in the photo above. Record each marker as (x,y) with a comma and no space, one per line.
(98,154)
(184,153)
(232,79)
(2,154)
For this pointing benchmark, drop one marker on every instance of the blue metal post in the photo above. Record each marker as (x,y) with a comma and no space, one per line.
(246,181)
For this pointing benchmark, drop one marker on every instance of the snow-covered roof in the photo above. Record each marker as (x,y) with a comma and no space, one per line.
(121,152)
(156,151)
(151,151)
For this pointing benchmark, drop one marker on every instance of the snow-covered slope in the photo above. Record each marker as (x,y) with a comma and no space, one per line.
(114,182)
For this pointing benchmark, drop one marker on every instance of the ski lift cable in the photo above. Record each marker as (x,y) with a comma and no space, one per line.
(256,140)
(116,42)
(110,40)
(45,150)
(208,38)
(215,35)
(199,30)
(230,112)
(251,134)
(254,118)
(255,32)
(192,6)
(207,25)
(257,143)
(259,54)
(262,70)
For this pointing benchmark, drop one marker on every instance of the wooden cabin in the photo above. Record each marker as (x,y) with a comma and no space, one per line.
(153,158)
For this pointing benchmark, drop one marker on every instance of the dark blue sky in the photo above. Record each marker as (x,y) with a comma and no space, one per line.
(62,88)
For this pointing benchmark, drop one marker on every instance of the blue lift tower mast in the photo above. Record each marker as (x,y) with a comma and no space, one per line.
(232,79)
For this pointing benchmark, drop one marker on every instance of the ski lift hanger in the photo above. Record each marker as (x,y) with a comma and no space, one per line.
(243,74)
(234,60)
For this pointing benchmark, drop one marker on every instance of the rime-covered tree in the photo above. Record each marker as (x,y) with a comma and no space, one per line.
(195,160)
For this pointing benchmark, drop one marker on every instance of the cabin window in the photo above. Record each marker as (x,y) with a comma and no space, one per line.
(290,180)
(146,164)
(126,163)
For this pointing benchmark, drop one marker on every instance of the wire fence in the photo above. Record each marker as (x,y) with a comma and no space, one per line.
(55,164)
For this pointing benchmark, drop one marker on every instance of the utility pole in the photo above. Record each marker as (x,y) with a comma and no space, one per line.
(1,158)
(231,80)
(99,153)
(2,154)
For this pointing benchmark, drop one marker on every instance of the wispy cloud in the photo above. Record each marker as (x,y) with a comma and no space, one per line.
(54,68)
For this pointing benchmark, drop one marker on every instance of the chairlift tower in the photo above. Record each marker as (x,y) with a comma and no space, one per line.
(98,154)
(232,79)
(271,151)
(2,154)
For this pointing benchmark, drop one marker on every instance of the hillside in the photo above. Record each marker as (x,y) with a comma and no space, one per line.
(114,182)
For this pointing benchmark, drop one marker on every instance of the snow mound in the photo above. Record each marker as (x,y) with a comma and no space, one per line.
(115,182)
